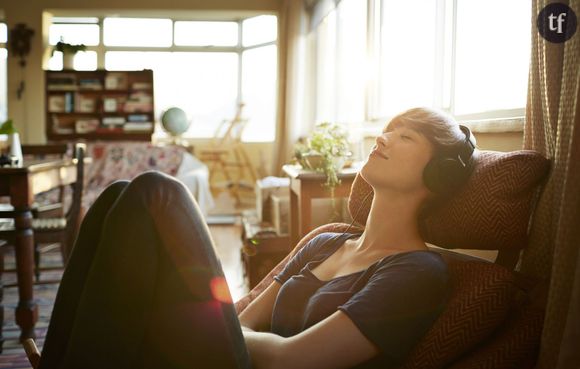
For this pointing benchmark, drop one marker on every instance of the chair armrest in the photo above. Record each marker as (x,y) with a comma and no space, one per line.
(242,303)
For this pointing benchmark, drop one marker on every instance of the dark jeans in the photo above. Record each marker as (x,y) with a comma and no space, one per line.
(137,291)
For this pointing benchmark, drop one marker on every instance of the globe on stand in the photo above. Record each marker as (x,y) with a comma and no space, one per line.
(175,122)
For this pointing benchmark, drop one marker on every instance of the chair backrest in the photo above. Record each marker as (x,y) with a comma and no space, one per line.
(491,212)
(45,151)
(73,216)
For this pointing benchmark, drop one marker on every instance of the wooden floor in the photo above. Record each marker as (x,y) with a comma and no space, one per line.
(228,243)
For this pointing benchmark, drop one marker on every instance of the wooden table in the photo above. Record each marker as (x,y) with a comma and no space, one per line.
(306,185)
(22,184)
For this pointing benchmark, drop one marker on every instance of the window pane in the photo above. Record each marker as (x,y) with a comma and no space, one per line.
(352,61)
(74,34)
(259,67)
(492,65)
(3,32)
(203,84)
(84,60)
(326,69)
(206,33)
(258,30)
(407,55)
(3,85)
(138,32)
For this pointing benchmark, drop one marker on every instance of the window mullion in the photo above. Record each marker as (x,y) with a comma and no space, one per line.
(239,51)
(453,57)
(101,49)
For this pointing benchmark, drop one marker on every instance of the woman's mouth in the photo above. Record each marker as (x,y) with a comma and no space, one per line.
(376,152)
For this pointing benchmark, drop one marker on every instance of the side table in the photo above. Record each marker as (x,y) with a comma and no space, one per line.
(306,185)
(262,249)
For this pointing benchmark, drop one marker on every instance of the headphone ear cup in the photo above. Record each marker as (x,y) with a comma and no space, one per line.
(441,175)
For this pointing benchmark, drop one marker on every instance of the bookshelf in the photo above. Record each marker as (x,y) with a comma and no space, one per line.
(99,105)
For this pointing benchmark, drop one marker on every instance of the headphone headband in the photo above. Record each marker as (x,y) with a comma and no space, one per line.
(467,147)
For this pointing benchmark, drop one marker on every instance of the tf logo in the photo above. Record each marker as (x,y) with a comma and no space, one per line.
(557,22)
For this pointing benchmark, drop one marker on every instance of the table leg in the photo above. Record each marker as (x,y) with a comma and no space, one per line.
(2,247)
(26,311)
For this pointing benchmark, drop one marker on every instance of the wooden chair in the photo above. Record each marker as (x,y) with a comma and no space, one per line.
(53,209)
(494,315)
(50,232)
(227,156)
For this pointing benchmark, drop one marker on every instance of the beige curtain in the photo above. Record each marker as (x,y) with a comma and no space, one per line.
(291,67)
(552,127)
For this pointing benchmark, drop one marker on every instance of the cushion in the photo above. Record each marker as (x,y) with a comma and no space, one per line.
(492,210)
(481,298)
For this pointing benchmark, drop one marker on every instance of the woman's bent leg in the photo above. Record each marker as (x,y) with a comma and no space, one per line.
(155,295)
(74,276)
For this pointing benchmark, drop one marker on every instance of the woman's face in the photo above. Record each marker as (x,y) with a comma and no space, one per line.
(397,159)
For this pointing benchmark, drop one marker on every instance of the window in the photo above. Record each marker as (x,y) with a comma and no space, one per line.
(203,67)
(206,33)
(341,62)
(376,58)
(3,74)
(83,31)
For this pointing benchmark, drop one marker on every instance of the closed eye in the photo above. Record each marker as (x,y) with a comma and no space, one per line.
(406,137)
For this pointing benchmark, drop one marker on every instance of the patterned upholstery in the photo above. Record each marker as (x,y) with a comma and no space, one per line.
(490,213)
(487,324)
(481,299)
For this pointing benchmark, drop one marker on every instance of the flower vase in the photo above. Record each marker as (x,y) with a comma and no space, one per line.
(68,61)
(15,148)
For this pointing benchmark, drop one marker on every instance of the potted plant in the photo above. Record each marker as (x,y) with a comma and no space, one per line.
(68,52)
(325,151)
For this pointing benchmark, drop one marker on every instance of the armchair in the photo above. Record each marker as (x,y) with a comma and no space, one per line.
(492,319)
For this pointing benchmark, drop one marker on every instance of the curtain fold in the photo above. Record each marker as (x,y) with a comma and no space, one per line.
(291,74)
(552,127)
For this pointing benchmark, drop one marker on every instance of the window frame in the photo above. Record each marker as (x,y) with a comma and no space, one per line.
(445,67)
(101,49)
(4,88)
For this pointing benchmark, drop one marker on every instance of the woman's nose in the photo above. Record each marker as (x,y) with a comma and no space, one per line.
(383,139)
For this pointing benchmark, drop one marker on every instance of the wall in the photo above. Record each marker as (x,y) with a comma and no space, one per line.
(28,112)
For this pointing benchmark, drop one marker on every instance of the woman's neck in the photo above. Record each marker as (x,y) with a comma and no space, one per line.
(392,224)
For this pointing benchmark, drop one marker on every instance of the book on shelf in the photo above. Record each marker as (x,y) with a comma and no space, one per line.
(138,126)
(86,125)
(69,102)
(116,81)
(90,84)
(139,102)
(62,81)
(85,104)
(138,118)
(113,121)
(56,104)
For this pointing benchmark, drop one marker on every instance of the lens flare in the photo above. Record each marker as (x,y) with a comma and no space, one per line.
(219,290)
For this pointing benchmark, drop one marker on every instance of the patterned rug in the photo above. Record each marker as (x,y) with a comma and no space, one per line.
(13,355)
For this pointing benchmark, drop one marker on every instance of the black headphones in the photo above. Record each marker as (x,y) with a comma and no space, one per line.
(448,170)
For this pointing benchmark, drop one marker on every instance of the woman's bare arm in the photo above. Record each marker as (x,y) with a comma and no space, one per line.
(258,314)
(335,342)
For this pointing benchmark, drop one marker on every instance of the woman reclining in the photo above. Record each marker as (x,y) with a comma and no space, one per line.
(144,289)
